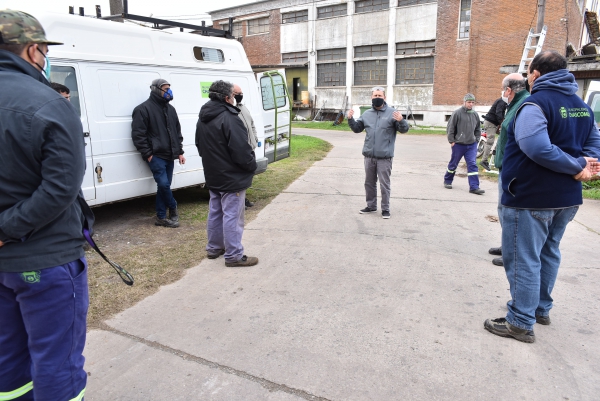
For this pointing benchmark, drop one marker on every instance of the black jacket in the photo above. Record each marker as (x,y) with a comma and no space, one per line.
(222,140)
(42,163)
(155,129)
(496,113)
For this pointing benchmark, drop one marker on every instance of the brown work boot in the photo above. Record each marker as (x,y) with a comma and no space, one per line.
(502,328)
(243,262)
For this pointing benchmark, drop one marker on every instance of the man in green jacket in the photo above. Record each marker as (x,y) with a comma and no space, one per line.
(513,88)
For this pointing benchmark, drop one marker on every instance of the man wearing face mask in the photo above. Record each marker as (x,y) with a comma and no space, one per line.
(229,165)
(492,119)
(381,123)
(248,122)
(463,134)
(43,271)
(552,144)
(156,133)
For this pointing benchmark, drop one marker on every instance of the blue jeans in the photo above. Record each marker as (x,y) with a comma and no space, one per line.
(163,175)
(470,154)
(42,333)
(531,256)
(225,225)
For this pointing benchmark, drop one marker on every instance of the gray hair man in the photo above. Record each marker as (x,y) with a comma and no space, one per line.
(248,121)
(229,164)
(381,123)
(513,90)
(552,145)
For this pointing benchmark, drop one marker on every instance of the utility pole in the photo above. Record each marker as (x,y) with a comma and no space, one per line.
(540,19)
(116,8)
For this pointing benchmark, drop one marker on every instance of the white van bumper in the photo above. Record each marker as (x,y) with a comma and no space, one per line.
(261,165)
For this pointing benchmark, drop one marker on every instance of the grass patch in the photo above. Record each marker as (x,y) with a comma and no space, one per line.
(156,256)
(591,189)
(328,125)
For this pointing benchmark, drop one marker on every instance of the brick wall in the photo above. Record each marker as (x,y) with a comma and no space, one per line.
(261,49)
(498,32)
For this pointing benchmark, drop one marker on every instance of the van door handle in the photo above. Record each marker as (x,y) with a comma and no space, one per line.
(86,134)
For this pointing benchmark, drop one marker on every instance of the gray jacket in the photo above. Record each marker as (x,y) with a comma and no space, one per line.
(249,124)
(381,131)
(464,127)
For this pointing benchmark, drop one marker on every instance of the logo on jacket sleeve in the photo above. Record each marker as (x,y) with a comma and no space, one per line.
(31,277)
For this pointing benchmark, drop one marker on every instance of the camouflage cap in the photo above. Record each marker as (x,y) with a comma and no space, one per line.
(19,28)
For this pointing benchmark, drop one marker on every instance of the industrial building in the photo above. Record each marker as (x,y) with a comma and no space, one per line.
(426,53)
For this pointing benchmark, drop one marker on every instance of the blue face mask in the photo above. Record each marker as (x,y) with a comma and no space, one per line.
(46,68)
(168,94)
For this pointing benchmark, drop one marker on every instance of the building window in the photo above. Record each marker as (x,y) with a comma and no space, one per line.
(370,51)
(331,54)
(402,3)
(296,57)
(464,25)
(258,25)
(294,16)
(409,48)
(414,70)
(208,54)
(237,29)
(370,72)
(331,74)
(365,6)
(332,11)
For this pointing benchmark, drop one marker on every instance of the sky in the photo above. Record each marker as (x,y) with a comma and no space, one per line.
(188,11)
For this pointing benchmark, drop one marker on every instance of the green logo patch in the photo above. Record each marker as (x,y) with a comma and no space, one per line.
(204,86)
(563,112)
(31,277)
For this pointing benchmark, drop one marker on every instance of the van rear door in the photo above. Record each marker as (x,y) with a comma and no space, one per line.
(68,75)
(276,114)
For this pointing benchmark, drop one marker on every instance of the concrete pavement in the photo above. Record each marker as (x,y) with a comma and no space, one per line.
(344,306)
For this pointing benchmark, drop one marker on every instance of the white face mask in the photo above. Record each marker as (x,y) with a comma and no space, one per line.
(505,98)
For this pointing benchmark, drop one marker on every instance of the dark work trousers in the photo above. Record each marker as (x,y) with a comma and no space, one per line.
(378,169)
(469,152)
(225,225)
(163,175)
(42,333)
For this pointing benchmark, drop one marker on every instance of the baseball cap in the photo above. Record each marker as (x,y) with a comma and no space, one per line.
(19,28)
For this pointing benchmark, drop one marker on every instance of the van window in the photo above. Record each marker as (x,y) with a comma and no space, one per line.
(66,76)
(267,92)
(594,103)
(208,54)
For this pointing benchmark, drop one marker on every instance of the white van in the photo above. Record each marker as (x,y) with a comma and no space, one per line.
(109,66)
(592,98)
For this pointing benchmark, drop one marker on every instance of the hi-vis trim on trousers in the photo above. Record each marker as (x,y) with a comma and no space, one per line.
(11,395)
(473,173)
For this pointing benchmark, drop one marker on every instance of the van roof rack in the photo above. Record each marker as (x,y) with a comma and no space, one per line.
(165,24)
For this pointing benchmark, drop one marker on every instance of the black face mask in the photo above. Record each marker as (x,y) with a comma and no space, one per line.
(377,102)
(238,98)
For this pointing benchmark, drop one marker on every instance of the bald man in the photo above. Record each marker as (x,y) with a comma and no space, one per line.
(513,89)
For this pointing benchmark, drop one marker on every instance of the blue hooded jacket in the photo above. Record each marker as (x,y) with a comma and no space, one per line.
(551,133)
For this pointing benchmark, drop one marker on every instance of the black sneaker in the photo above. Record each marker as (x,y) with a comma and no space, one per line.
(248,203)
(244,261)
(502,328)
(367,210)
(385,214)
(485,165)
(448,186)
(173,215)
(498,261)
(477,191)
(544,320)
(215,255)
(495,251)
(166,223)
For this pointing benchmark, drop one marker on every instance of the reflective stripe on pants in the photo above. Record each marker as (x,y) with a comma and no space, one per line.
(11,395)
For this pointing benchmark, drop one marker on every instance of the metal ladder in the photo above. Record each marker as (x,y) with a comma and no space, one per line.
(528,47)
(282,89)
